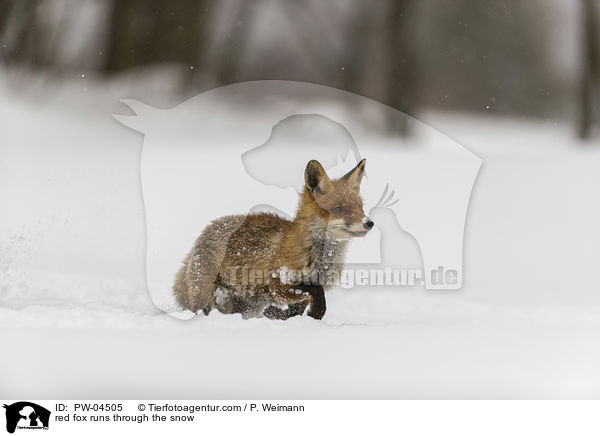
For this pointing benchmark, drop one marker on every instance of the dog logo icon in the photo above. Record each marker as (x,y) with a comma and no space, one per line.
(26,415)
(227,150)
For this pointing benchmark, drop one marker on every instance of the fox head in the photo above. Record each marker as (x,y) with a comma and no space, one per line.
(336,204)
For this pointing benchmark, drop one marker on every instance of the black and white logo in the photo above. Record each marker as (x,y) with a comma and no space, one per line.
(26,415)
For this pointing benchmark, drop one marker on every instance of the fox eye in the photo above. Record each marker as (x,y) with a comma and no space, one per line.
(339,209)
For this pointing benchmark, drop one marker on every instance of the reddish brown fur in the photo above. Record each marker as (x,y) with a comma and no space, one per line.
(315,241)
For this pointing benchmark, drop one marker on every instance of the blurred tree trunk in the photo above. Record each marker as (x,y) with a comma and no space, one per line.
(20,31)
(353,60)
(125,44)
(401,56)
(5,7)
(146,31)
(590,69)
(199,34)
(228,68)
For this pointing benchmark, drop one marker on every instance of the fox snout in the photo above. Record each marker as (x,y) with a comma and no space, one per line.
(360,228)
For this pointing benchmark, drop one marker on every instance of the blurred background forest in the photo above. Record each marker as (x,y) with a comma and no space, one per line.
(527,59)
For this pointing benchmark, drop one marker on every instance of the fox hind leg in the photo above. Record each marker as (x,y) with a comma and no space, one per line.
(180,288)
(315,302)
(196,283)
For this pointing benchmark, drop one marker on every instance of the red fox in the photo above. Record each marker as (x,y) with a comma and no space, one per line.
(243,263)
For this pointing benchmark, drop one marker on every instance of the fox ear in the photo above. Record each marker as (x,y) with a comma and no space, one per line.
(316,179)
(355,175)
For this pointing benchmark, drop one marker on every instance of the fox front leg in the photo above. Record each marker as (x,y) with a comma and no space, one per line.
(317,301)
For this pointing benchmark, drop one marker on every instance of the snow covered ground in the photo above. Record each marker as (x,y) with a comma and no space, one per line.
(77,321)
